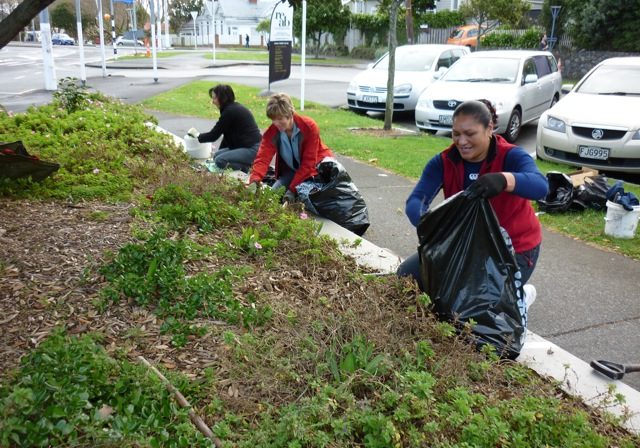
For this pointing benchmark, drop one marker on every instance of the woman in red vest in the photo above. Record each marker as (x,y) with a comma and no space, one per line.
(489,167)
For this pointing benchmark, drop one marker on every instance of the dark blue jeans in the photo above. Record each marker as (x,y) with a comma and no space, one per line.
(526,260)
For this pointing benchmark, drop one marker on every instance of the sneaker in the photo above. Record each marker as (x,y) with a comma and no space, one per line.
(530,294)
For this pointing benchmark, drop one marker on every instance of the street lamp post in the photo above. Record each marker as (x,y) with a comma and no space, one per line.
(555,11)
(194,14)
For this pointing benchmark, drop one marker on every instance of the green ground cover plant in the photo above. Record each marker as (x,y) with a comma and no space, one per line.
(403,154)
(275,338)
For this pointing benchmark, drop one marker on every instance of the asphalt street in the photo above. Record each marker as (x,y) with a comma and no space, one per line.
(588,298)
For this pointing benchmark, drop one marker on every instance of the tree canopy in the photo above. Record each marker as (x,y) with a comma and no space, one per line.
(489,13)
(605,24)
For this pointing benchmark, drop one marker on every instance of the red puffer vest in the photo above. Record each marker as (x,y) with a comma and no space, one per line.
(514,213)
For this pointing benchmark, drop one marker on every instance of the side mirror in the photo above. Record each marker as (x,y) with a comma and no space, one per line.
(530,78)
(439,73)
(566,88)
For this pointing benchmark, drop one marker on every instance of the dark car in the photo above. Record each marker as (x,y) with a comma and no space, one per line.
(62,39)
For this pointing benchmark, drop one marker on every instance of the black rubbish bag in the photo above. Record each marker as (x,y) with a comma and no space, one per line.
(339,199)
(560,196)
(16,163)
(592,193)
(470,273)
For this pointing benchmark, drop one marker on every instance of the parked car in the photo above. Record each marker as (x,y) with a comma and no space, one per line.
(416,66)
(62,39)
(121,41)
(466,35)
(596,124)
(521,84)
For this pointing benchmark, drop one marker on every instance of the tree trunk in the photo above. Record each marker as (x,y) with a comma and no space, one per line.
(393,43)
(318,41)
(20,18)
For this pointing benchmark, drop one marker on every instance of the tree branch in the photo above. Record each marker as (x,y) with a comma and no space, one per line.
(19,18)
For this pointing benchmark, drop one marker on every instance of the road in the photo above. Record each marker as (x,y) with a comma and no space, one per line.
(588,299)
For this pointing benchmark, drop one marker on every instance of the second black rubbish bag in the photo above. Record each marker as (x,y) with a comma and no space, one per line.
(470,273)
(338,198)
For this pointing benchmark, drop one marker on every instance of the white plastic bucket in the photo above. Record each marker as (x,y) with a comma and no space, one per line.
(621,223)
(195,149)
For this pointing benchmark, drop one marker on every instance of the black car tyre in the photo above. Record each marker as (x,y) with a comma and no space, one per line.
(514,126)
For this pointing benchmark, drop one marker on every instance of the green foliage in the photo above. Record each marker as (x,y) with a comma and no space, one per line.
(504,39)
(374,27)
(104,148)
(328,16)
(63,17)
(353,356)
(442,19)
(507,12)
(69,392)
(367,53)
(609,25)
(71,95)
(153,274)
(180,12)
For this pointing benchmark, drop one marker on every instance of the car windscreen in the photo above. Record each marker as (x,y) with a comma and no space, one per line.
(612,80)
(409,60)
(501,70)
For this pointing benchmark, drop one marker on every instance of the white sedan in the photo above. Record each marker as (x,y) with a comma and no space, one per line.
(596,125)
(521,84)
(416,66)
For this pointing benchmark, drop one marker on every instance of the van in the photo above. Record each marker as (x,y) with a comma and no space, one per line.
(466,35)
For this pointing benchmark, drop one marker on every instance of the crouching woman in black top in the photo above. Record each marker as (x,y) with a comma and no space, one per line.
(242,136)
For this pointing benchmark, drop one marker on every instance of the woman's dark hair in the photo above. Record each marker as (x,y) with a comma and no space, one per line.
(224,93)
(482,110)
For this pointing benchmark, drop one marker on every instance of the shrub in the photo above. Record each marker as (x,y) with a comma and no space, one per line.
(368,53)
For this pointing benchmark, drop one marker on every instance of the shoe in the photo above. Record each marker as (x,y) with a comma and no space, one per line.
(530,294)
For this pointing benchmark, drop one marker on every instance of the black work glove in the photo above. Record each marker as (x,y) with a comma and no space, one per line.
(289,197)
(487,186)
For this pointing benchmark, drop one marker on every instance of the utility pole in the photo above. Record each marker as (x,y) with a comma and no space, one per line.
(83,73)
(409,21)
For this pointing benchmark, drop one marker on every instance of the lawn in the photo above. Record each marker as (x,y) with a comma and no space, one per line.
(405,155)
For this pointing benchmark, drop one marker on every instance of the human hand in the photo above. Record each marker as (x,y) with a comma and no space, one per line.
(193,132)
(252,187)
(289,197)
(487,186)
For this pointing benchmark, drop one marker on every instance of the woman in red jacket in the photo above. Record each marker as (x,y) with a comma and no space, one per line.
(294,140)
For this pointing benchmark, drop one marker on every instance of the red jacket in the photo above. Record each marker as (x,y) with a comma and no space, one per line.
(514,213)
(312,151)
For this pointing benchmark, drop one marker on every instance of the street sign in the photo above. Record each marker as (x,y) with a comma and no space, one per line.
(280,40)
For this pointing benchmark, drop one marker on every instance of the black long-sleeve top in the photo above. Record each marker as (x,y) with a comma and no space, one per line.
(237,125)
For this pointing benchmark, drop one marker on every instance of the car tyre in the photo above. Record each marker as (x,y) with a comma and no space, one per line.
(430,131)
(514,126)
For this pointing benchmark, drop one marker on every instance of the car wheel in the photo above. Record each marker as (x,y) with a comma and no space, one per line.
(513,128)
(429,131)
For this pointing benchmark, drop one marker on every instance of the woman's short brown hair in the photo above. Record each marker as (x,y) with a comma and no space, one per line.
(280,106)
(224,94)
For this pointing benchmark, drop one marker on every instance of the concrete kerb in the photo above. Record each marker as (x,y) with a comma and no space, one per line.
(573,375)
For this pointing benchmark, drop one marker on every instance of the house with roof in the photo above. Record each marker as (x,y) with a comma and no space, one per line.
(233,21)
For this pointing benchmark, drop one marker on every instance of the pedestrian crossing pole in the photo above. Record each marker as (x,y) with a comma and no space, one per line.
(113,31)
(83,73)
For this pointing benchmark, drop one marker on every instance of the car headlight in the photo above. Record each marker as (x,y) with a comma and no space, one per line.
(636,136)
(402,89)
(555,124)
(353,86)
(423,103)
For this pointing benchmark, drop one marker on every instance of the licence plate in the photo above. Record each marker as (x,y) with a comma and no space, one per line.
(370,99)
(445,119)
(593,152)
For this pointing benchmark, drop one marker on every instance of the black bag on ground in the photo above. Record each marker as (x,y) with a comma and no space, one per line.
(339,199)
(592,193)
(469,272)
(560,193)
(16,163)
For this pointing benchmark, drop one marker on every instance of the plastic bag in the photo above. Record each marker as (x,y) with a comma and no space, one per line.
(17,163)
(470,274)
(560,193)
(592,193)
(338,199)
